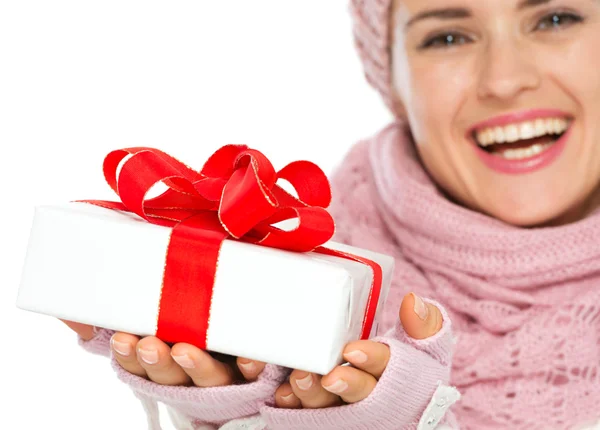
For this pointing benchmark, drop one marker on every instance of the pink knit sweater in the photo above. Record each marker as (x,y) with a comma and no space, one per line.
(523,304)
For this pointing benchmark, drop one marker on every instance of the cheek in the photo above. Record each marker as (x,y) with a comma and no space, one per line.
(436,99)
(576,65)
(579,73)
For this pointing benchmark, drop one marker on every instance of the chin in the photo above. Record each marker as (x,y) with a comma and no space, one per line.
(526,220)
(535,216)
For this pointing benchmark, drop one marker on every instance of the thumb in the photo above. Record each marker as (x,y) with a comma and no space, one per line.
(86,332)
(419,319)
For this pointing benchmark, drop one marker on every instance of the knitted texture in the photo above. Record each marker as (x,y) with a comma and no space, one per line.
(215,405)
(99,344)
(202,407)
(523,302)
(400,396)
(397,403)
(371,31)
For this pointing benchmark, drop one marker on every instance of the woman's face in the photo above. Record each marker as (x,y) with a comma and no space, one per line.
(503,100)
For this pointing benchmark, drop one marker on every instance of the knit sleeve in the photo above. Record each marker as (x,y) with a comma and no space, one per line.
(412,390)
(99,344)
(202,407)
(208,406)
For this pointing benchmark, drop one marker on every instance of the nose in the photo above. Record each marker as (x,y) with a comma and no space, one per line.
(507,71)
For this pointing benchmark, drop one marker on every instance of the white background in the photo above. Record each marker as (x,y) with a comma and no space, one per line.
(81,78)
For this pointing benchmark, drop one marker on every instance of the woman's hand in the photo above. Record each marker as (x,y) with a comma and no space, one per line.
(185,364)
(351,384)
(181,364)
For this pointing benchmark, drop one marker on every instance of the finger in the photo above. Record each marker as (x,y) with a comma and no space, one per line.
(204,370)
(285,397)
(419,319)
(372,357)
(352,385)
(85,331)
(307,387)
(155,357)
(250,369)
(123,346)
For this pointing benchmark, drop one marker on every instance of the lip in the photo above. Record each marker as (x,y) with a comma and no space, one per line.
(526,165)
(517,117)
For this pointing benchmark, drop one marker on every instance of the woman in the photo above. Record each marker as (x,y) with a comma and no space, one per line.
(485,190)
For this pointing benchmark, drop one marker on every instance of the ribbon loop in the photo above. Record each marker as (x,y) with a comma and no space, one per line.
(140,173)
(245,202)
(313,229)
(309,181)
(222,163)
(261,166)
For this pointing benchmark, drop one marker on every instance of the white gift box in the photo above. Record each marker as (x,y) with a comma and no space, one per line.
(105,268)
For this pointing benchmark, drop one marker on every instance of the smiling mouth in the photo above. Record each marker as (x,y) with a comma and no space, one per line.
(521,140)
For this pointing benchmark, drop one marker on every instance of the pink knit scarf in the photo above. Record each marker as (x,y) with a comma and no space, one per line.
(525,302)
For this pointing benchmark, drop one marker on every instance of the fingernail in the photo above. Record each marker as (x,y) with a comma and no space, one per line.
(184,361)
(121,348)
(305,383)
(290,398)
(420,307)
(356,356)
(249,367)
(337,387)
(149,356)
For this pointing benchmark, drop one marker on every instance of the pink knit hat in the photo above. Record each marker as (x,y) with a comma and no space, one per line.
(371,20)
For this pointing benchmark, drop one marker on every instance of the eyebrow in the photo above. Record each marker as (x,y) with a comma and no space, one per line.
(459,12)
(451,13)
(525,4)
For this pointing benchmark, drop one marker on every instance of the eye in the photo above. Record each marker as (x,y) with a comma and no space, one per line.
(558,21)
(445,40)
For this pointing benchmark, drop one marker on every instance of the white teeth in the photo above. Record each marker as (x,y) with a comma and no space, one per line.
(512,133)
(540,127)
(517,154)
(558,126)
(499,135)
(527,130)
(521,131)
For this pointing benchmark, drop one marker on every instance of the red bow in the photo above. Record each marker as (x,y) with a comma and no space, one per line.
(237,186)
(235,195)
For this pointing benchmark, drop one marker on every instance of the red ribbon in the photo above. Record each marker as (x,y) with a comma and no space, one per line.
(235,195)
